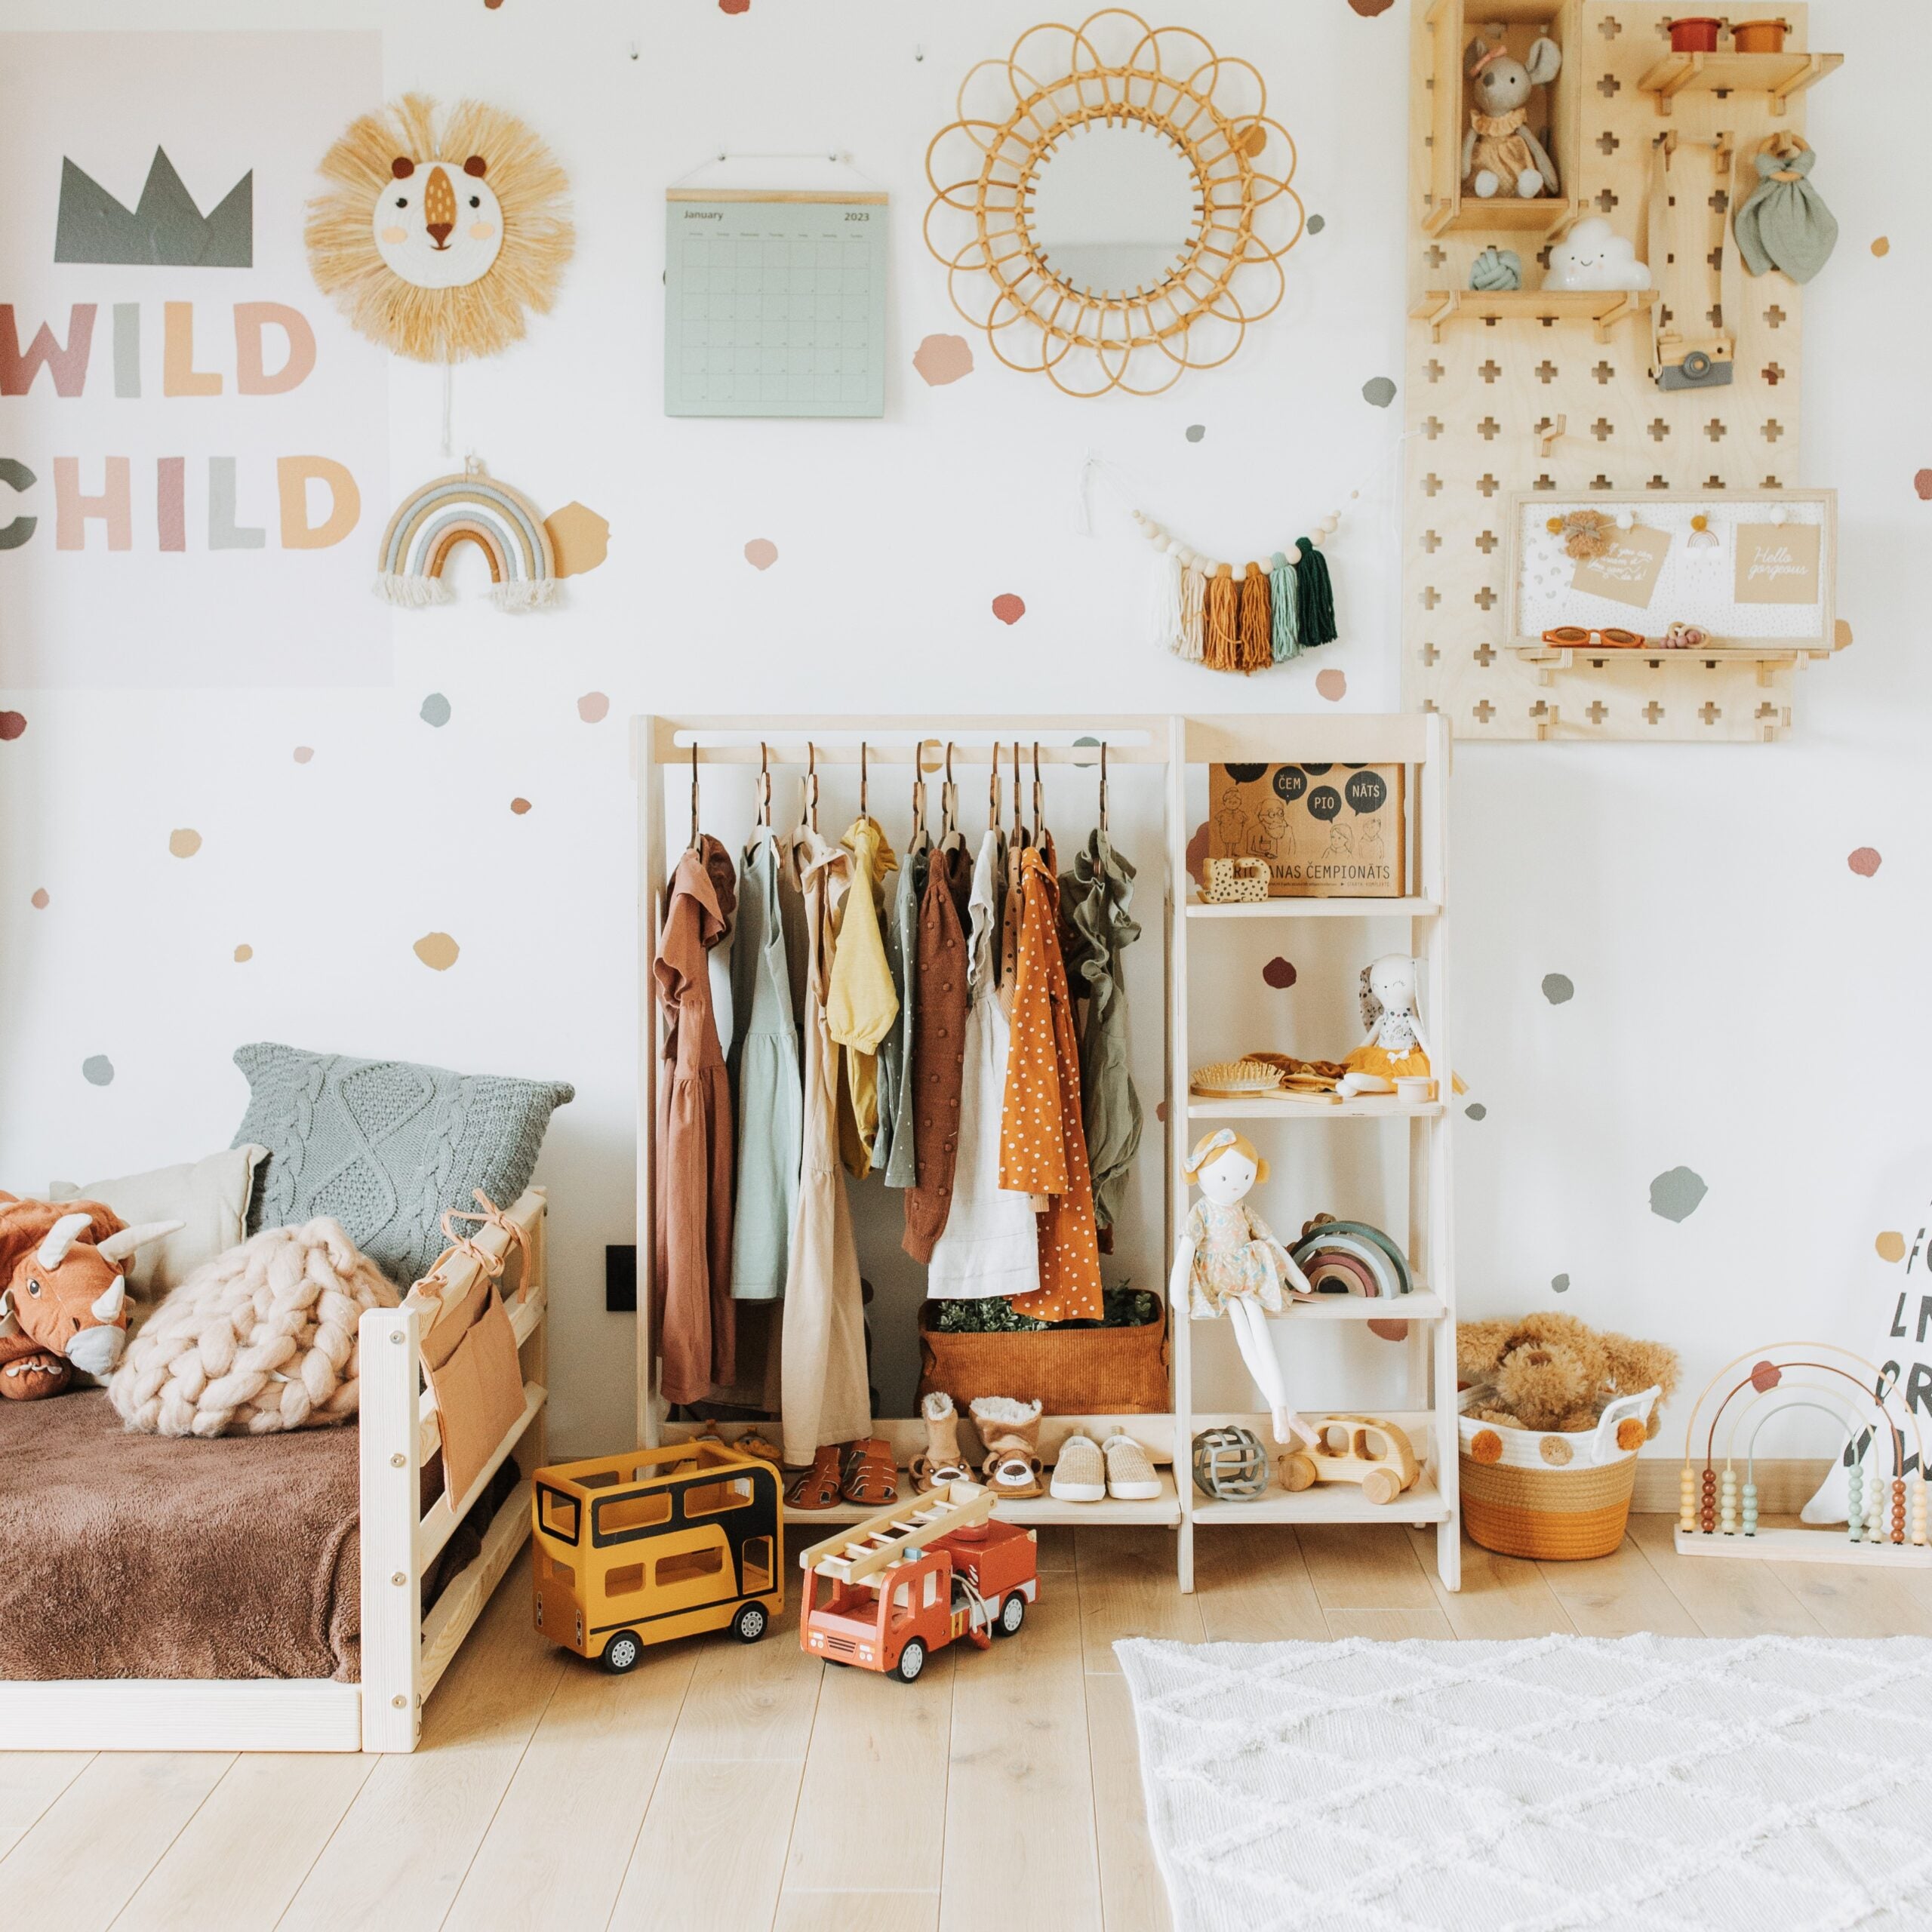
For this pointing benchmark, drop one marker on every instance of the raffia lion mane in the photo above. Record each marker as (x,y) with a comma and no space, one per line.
(1551,1371)
(441,324)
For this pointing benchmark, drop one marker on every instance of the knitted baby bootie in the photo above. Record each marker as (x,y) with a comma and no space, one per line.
(940,1462)
(1010,1431)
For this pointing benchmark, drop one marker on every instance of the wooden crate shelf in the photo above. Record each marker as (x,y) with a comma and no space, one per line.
(1364,1106)
(1605,307)
(1779,76)
(1545,218)
(1316,909)
(1331,1503)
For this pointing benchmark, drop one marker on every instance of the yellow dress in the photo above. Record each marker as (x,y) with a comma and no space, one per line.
(1389,1066)
(860,1003)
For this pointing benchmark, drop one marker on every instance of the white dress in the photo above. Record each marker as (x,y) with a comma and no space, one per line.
(990,1244)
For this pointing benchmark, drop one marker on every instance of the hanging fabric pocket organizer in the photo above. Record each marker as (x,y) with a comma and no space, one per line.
(469,1349)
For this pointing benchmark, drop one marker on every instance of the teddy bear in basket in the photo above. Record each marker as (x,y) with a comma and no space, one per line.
(1551,1372)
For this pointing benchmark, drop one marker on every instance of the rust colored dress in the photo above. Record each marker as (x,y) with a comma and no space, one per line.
(1043,1146)
(692,1299)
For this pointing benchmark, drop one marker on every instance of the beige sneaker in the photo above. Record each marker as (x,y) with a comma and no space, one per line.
(1079,1476)
(1130,1476)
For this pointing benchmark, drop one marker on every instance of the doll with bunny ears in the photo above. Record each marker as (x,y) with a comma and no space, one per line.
(1394,1049)
(1228,1262)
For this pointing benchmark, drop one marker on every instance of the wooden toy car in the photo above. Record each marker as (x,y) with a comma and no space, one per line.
(1355,1449)
(636,1549)
(888,1592)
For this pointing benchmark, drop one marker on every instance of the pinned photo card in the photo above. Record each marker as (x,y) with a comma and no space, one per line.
(1777,563)
(1626,573)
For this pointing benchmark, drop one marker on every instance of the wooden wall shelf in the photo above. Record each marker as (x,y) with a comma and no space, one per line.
(1548,659)
(1780,75)
(1605,307)
(1545,218)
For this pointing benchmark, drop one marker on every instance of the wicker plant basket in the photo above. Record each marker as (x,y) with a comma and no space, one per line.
(1072,1371)
(1559,1495)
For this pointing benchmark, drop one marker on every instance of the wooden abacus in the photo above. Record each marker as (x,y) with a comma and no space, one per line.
(1886,1515)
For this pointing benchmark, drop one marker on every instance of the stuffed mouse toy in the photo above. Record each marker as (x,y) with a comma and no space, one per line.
(1501,159)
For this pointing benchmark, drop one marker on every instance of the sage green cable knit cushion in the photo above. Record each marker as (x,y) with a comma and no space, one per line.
(384,1146)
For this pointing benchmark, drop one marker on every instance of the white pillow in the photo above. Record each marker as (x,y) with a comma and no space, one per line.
(210,1196)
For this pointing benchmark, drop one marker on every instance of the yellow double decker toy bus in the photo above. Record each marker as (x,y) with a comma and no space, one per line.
(638,1548)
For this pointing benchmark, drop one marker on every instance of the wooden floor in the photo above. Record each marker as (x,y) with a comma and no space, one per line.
(726,1788)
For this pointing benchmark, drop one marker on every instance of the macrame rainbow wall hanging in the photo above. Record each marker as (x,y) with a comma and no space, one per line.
(1204,614)
(430,522)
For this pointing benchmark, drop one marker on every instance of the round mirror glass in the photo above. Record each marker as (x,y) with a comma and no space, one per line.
(1114,208)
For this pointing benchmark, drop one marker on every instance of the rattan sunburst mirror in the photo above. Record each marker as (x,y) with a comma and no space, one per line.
(1113,203)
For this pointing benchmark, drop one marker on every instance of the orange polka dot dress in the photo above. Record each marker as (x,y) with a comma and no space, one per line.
(1042,1146)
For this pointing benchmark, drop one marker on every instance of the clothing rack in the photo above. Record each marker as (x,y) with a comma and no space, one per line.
(664,749)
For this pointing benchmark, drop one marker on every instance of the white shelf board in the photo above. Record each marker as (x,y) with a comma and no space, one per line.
(1329,1502)
(1364,1106)
(1042,1512)
(1317,908)
(1424,1305)
(1794,1546)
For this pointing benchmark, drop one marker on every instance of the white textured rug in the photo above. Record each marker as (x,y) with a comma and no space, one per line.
(1670,1784)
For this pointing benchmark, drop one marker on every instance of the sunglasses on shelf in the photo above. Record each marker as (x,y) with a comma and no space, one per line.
(1578,637)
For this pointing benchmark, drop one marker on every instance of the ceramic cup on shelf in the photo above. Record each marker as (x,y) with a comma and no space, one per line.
(1412,1089)
(1758,36)
(1696,34)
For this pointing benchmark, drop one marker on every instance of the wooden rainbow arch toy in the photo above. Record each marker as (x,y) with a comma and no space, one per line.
(1717,1515)
(504,525)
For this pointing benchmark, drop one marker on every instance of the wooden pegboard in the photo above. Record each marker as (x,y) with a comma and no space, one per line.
(1483,396)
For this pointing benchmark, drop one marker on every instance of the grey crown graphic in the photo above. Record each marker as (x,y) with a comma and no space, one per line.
(165,228)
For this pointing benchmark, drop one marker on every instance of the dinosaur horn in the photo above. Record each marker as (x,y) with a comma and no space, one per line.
(61,1237)
(117,1247)
(9,1324)
(108,1306)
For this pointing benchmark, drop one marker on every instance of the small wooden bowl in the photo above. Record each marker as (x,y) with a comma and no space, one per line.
(1758,36)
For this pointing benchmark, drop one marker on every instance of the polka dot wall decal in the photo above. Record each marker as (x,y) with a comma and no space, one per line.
(1368,9)
(1890,1245)
(1160,1110)
(1676,1193)
(12,724)
(97,1070)
(1008,608)
(1197,853)
(1922,483)
(1865,861)
(1475,1110)
(519,806)
(303,753)
(941,359)
(760,553)
(1881,245)
(1316,224)
(435,710)
(437,951)
(1195,431)
(1332,684)
(1560,1284)
(734,6)
(1841,635)
(1379,391)
(243,954)
(1557,987)
(593,707)
(40,902)
(184,841)
(1279,973)
(1765,1375)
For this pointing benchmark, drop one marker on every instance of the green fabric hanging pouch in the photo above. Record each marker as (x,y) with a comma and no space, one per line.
(1785,224)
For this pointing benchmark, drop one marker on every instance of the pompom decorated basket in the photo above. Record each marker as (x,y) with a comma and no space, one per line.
(1561,1494)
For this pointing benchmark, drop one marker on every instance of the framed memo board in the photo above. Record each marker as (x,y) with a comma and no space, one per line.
(1756,570)
(774,302)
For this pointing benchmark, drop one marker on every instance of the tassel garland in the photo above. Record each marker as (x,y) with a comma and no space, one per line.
(1284,640)
(1314,597)
(1163,605)
(1257,646)
(1193,612)
(1224,634)
(1201,612)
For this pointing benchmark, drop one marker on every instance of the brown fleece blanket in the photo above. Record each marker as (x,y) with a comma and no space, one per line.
(130,1555)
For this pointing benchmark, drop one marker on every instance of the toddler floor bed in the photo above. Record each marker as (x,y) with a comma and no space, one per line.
(252,1593)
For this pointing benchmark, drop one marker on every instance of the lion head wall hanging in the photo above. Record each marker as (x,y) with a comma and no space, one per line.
(439,234)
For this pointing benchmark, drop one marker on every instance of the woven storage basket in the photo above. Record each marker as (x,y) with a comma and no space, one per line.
(1539,1493)
(1072,1371)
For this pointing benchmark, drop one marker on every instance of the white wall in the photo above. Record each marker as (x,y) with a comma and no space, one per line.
(1745,1005)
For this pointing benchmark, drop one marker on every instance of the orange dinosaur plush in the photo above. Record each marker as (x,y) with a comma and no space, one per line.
(63,1305)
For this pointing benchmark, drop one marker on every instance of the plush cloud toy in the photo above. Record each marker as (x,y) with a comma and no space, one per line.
(1593,255)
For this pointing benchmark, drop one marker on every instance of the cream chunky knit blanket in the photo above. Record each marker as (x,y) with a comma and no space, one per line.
(258,1339)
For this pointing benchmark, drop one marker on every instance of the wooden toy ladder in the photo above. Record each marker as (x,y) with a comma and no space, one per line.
(881,1541)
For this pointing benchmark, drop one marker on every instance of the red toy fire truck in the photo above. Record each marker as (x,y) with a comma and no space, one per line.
(888,1592)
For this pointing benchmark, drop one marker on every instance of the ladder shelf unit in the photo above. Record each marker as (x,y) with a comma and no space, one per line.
(1419,743)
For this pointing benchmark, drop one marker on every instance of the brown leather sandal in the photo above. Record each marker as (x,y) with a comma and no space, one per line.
(872,1478)
(816,1487)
